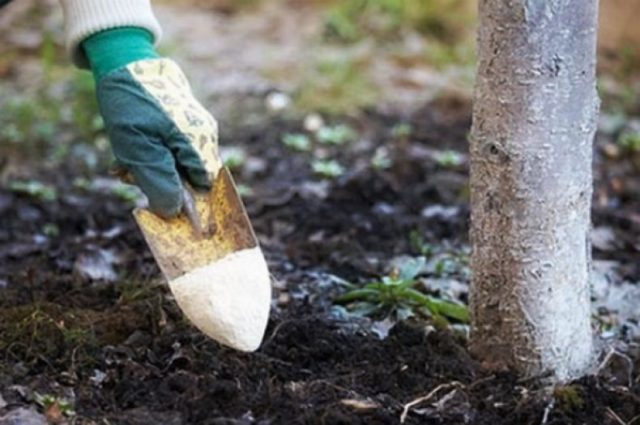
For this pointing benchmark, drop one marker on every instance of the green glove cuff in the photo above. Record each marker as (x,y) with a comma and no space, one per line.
(116,48)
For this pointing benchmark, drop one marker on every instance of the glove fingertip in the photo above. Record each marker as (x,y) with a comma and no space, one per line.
(199,181)
(168,205)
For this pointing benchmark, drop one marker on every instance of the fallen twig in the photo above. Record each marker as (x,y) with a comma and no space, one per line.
(481,381)
(633,420)
(613,352)
(547,411)
(408,406)
(614,416)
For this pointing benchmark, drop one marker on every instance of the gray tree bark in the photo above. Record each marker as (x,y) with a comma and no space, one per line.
(534,121)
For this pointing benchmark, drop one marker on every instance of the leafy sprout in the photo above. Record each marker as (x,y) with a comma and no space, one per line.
(448,264)
(381,159)
(402,130)
(233,158)
(126,192)
(449,159)
(351,20)
(297,142)
(630,141)
(337,135)
(48,401)
(419,245)
(34,188)
(330,169)
(396,295)
(244,190)
(51,229)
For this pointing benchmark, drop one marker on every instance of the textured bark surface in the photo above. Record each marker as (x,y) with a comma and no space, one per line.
(534,121)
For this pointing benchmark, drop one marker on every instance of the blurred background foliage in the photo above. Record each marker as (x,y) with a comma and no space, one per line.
(334,57)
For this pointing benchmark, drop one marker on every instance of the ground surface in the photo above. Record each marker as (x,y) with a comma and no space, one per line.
(89,334)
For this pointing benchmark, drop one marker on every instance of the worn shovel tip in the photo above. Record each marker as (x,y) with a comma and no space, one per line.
(229,299)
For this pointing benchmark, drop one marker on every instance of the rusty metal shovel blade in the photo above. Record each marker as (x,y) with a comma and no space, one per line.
(218,274)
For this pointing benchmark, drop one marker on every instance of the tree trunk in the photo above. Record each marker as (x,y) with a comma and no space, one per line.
(534,121)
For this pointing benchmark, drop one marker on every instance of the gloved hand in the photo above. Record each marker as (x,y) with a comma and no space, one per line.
(159,132)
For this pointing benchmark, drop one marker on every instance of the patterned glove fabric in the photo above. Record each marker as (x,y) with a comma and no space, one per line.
(159,132)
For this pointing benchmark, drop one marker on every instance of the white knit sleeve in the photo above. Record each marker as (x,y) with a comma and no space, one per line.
(86,17)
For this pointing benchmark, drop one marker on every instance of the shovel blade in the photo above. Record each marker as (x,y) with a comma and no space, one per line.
(217,273)
(178,249)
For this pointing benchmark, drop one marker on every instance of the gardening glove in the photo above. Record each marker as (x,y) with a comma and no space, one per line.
(159,132)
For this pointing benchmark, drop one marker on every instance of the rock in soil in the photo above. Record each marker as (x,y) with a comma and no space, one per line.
(23,416)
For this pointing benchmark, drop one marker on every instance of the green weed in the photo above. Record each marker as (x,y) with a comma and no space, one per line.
(42,335)
(401,131)
(131,291)
(297,142)
(448,264)
(336,86)
(234,158)
(336,135)
(51,229)
(86,117)
(244,190)
(48,401)
(418,245)
(381,159)
(569,398)
(449,159)
(126,192)
(442,56)
(56,117)
(34,188)
(445,20)
(330,169)
(395,295)
(630,141)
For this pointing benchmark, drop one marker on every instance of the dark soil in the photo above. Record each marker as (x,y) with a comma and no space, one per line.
(122,353)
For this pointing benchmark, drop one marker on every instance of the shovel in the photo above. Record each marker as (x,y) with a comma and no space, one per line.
(211,258)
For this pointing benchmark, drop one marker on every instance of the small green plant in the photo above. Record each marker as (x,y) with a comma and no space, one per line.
(48,401)
(28,121)
(449,264)
(444,55)
(234,158)
(131,291)
(330,169)
(78,336)
(34,188)
(444,20)
(297,142)
(381,159)
(630,141)
(86,117)
(244,190)
(569,398)
(402,130)
(56,118)
(629,59)
(82,183)
(337,85)
(418,244)
(396,295)
(51,229)
(449,159)
(126,192)
(336,135)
